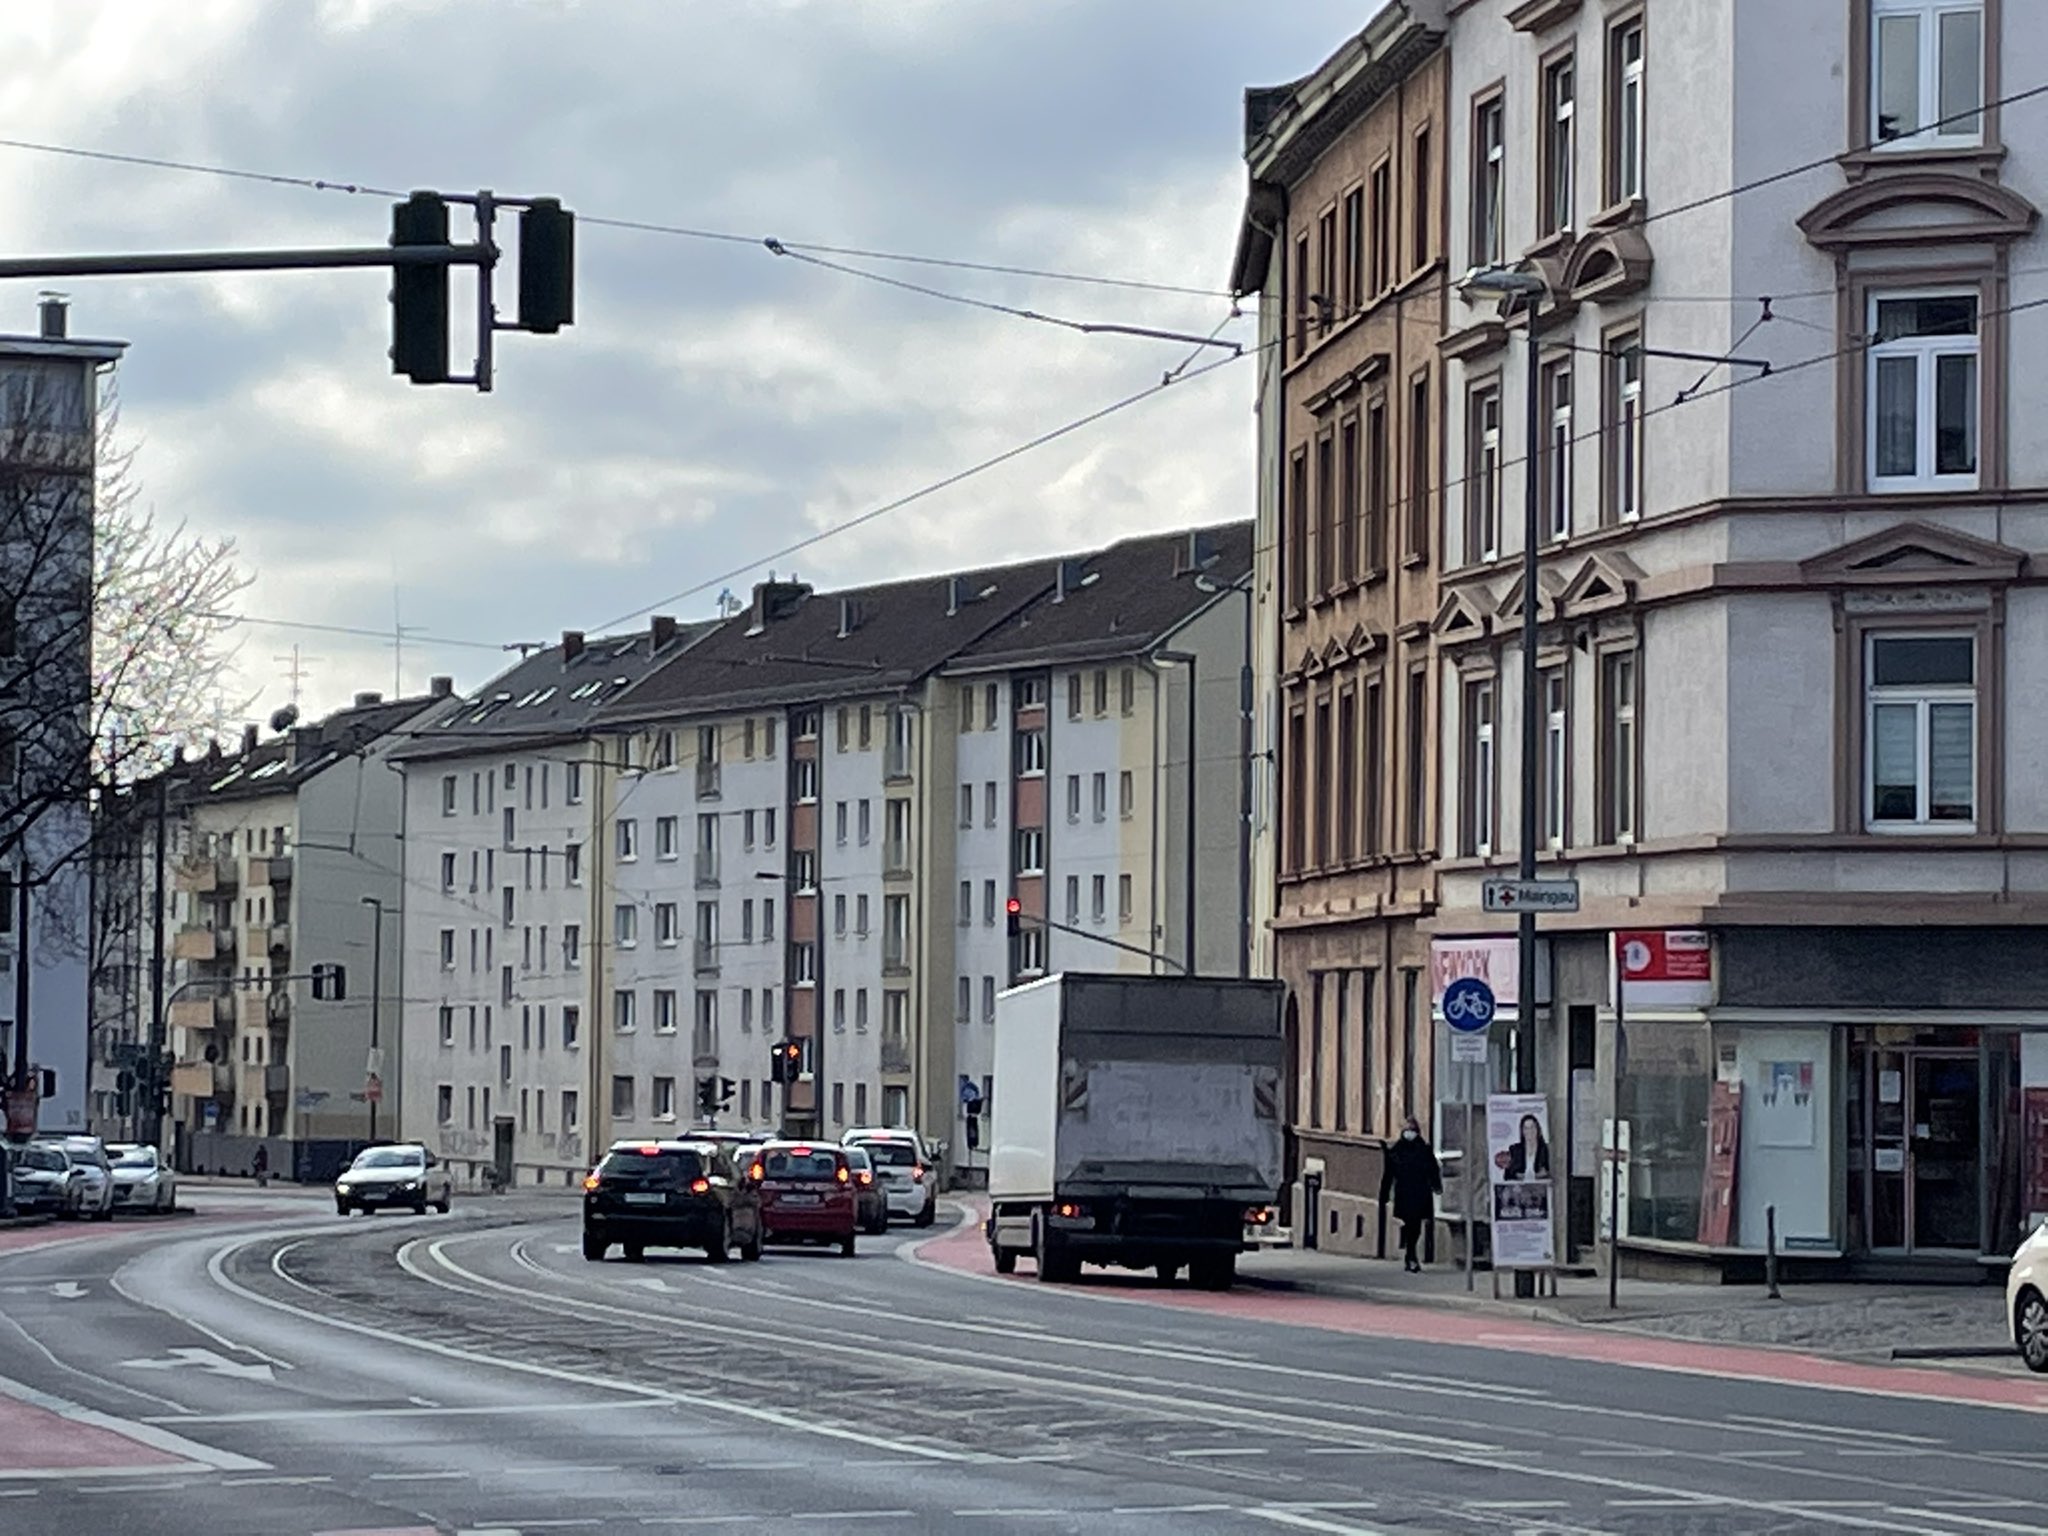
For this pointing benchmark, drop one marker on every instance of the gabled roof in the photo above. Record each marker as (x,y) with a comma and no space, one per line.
(286,761)
(1120,602)
(554,693)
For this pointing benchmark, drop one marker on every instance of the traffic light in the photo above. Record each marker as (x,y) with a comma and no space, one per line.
(785,1060)
(726,1089)
(707,1095)
(1016,910)
(330,983)
(547,264)
(419,294)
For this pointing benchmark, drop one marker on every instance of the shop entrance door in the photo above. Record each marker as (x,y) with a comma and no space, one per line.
(1926,1151)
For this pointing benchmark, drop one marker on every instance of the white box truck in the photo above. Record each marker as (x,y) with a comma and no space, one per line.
(1136,1121)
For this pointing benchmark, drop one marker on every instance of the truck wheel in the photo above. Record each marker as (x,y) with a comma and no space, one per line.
(1006,1259)
(1168,1273)
(1214,1274)
(1055,1265)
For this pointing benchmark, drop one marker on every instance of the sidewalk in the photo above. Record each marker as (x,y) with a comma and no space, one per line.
(1858,1321)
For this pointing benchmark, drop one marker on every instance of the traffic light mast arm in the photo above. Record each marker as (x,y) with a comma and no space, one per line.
(1096,938)
(145,264)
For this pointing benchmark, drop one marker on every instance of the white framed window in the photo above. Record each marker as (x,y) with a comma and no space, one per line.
(1030,851)
(1099,790)
(1073,798)
(1489,182)
(572,863)
(1126,794)
(1619,685)
(839,822)
(1031,951)
(963,1002)
(1921,420)
(1125,901)
(1625,422)
(988,999)
(663,1100)
(572,783)
(447,949)
(1560,144)
(1926,73)
(1557,465)
(664,1011)
(572,946)
(966,902)
(623,1003)
(803,964)
(622,1098)
(1482,491)
(1479,765)
(667,838)
(1073,900)
(448,794)
(1625,111)
(1556,747)
(625,925)
(806,780)
(1031,753)
(1098,897)
(628,836)
(666,928)
(1920,732)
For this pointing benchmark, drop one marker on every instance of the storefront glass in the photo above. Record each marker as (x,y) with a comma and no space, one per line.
(1666,1081)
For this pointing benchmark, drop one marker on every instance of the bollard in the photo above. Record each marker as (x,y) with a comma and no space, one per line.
(1771,1253)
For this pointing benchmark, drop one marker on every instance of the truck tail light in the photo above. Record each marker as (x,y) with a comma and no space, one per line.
(1071,1211)
(1258,1215)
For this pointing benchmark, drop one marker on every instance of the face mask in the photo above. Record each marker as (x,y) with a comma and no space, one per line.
(1410,1135)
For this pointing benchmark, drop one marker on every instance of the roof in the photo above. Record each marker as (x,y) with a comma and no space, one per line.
(286,761)
(1120,602)
(553,693)
(797,646)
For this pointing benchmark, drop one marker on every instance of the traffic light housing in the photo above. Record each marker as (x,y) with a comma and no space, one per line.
(330,983)
(726,1089)
(547,266)
(786,1061)
(1016,910)
(419,294)
(707,1095)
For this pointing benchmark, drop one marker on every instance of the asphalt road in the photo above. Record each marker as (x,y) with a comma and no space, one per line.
(277,1372)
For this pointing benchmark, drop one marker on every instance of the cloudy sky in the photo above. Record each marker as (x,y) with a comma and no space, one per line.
(713,403)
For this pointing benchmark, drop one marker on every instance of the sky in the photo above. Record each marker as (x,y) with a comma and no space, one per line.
(713,403)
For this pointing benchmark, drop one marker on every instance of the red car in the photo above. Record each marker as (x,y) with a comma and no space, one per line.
(808,1195)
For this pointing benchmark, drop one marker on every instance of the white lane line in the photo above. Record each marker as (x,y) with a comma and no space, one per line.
(1300,1522)
(1219,1450)
(133,1429)
(1888,1452)
(194,1324)
(1771,1455)
(1675,1501)
(1633,1452)
(1490,1388)
(855,1514)
(1514,1504)
(565,1470)
(418,1477)
(1011,1514)
(1173,1509)
(482,1410)
(1974,1522)
(1831,1432)
(280,1481)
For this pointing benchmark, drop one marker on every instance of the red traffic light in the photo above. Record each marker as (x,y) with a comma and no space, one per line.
(1014,906)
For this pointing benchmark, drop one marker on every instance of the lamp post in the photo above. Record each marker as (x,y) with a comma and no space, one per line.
(373,1085)
(1528,288)
(1169,660)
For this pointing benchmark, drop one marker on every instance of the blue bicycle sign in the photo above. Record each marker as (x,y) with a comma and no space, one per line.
(1468,1005)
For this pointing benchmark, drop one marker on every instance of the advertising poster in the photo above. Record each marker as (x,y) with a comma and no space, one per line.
(2034,1107)
(1784,1105)
(1717,1184)
(1519,1163)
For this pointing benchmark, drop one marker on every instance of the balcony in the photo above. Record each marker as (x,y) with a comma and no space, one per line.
(196,876)
(704,957)
(280,938)
(707,781)
(198,943)
(193,1013)
(227,873)
(707,868)
(192,1080)
(277,1080)
(896,1056)
(277,1008)
(280,872)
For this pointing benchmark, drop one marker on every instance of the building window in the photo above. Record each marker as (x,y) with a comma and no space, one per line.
(1031,951)
(1073,797)
(1624,440)
(803,964)
(1345,790)
(1326,790)
(1421,200)
(1031,754)
(625,925)
(1556,484)
(1353,292)
(1127,692)
(666,928)
(572,1031)
(666,837)
(1295,805)
(1348,539)
(1560,144)
(1922,383)
(1126,795)
(1073,900)
(1417,727)
(1099,786)
(1030,851)
(1617,747)
(447,949)
(1294,543)
(1124,900)
(622,1098)
(662,1101)
(1556,744)
(1920,722)
(1476,820)
(805,726)
(622,1010)
(447,791)
(1098,897)
(1301,291)
(1377,476)
(628,834)
(1328,515)
(806,769)
(665,1011)
(1421,460)
(1625,110)
(1326,271)
(1372,778)
(572,946)
(1489,182)
(1382,227)
(966,806)
(1927,73)
(1482,474)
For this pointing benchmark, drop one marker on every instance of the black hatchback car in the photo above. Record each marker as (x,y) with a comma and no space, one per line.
(670,1194)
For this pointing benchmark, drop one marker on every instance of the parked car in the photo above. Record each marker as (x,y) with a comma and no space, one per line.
(869,1197)
(143,1181)
(683,1193)
(900,1167)
(2026,1299)
(93,1175)
(43,1181)
(402,1174)
(807,1195)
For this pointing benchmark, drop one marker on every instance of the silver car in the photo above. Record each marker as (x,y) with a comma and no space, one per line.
(143,1181)
(91,1174)
(44,1181)
(908,1181)
(401,1174)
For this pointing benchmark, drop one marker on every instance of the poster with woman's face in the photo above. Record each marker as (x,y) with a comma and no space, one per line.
(1518,1138)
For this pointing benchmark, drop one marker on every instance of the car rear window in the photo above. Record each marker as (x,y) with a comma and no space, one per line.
(663,1168)
(140,1157)
(891,1154)
(810,1164)
(43,1158)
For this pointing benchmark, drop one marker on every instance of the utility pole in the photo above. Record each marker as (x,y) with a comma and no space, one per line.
(373,1079)
(153,1084)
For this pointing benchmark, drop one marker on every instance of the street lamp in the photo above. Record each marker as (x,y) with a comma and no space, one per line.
(1169,660)
(1529,288)
(373,1085)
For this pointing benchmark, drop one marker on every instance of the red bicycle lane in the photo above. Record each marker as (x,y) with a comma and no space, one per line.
(965,1251)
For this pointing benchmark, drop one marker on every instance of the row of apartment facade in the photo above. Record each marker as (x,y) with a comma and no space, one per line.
(1789,619)
(635,862)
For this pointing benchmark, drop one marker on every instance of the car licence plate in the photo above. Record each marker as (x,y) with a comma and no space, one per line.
(645,1199)
(799,1199)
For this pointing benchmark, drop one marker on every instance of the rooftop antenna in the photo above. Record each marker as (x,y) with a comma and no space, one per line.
(295,670)
(399,630)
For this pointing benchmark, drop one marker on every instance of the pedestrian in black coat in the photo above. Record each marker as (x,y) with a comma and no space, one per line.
(1414,1179)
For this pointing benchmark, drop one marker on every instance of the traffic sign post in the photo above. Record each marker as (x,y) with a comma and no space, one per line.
(1529,896)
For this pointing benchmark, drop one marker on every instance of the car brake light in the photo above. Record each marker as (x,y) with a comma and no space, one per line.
(843,1176)
(866,1177)
(650,1151)
(755,1172)
(590,1181)
(800,1151)
(700,1186)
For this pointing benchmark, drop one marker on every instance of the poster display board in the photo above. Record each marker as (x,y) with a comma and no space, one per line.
(1519,1167)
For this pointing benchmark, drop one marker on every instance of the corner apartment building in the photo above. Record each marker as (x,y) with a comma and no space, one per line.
(510,807)
(280,856)
(49,390)
(1790,623)
(1343,239)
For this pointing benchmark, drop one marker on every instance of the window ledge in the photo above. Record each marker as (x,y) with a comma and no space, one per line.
(1627,211)
(1982,159)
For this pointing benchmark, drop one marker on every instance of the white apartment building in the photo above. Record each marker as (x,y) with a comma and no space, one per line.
(1789,622)
(511,810)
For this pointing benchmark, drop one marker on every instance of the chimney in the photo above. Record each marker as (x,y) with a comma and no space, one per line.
(365,700)
(213,749)
(850,616)
(775,600)
(307,741)
(572,645)
(662,630)
(441,687)
(248,738)
(1070,579)
(952,596)
(53,309)
(1195,555)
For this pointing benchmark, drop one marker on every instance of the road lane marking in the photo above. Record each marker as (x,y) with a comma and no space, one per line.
(121,1290)
(151,1435)
(1174,1509)
(1222,1450)
(418,1477)
(1975,1522)
(281,1481)
(1301,1522)
(482,1410)
(1833,1432)
(855,1514)
(210,1361)
(1489,1388)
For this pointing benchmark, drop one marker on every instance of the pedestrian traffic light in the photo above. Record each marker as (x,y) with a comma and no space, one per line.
(547,263)
(1016,910)
(419,294)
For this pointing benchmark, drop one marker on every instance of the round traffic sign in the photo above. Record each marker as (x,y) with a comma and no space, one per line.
(1468,1005)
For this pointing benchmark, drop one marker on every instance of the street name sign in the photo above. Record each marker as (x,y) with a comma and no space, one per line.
(1529,896)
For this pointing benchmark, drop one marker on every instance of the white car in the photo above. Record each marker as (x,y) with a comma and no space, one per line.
(143,1181)
(909,1182)
(2026,1299)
